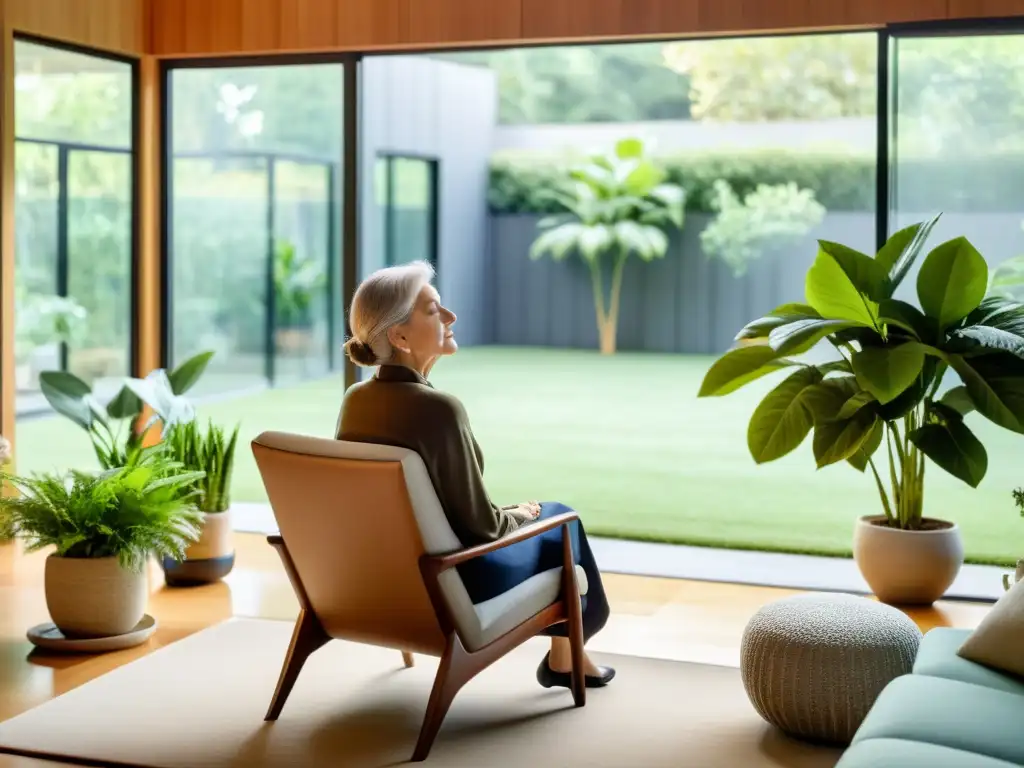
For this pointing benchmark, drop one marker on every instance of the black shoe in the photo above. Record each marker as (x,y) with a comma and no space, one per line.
(547,677)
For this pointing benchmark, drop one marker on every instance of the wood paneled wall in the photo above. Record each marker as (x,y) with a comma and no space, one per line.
(119,26)
(182,28)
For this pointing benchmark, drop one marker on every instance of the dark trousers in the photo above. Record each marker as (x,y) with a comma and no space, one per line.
(499,571)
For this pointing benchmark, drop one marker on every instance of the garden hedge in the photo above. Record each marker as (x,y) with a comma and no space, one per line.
(841,182)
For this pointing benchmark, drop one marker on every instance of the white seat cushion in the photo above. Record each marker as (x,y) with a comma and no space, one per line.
(510,609)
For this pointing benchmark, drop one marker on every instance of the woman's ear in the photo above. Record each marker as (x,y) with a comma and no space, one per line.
(398,340)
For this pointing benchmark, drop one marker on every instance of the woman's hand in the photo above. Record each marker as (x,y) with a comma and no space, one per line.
(526,512)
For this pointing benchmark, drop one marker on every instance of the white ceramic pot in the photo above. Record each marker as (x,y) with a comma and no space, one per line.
(94,597)
(907,567)
(216,540)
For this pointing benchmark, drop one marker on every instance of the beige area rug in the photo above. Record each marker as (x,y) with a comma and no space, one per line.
(199,703)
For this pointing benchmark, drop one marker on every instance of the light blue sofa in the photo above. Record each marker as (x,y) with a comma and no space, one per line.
(948,713)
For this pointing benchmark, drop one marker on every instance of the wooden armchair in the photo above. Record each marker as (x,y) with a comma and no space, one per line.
(371,558)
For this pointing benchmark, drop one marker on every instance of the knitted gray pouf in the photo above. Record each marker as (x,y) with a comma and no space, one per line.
(814,664)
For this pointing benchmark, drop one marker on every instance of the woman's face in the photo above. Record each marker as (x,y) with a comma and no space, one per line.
(428,333)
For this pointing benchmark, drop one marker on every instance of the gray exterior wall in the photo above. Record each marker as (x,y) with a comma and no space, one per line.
(686,303)
(417,106)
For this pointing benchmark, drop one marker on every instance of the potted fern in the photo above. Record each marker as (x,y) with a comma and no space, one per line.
(103,528)
(210,452)
(885,387)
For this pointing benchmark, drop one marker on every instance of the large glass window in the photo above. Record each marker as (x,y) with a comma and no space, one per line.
(773,141)
(957,148)
(73,209)
(407,196)
(254,227)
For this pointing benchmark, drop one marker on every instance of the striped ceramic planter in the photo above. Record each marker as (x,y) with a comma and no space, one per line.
(208,560)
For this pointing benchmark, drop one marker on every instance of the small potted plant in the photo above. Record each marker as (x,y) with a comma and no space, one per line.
(883,387)
(297,281)
(1008,581)
(103,528)
(211,452)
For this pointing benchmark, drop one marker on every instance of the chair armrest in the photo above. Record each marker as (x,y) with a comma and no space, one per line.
(440,563)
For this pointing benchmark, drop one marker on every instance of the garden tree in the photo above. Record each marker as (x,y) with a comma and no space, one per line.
(955,93)
(802,77)
(583,84)
(617,205)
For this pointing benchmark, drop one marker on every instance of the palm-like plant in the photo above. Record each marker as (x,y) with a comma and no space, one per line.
(616,205)
(131,512)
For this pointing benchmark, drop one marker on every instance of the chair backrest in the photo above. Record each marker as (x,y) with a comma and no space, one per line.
(356,518)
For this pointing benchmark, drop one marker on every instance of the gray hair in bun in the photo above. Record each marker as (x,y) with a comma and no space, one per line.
(383,300)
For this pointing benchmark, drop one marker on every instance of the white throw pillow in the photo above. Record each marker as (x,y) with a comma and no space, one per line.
(998,642)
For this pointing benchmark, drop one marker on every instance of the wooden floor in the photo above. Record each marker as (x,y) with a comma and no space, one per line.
(662,618)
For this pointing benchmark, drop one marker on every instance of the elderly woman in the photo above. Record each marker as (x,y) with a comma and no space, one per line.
(400,326)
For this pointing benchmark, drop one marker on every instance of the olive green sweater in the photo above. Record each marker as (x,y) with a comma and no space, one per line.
(398,406)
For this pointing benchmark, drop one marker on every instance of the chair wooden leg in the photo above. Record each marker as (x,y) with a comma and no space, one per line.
(408,659)
(574,611)
(455,669)
(579,672)
(307,637)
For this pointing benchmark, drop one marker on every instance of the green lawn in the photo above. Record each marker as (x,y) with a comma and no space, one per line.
(625,440)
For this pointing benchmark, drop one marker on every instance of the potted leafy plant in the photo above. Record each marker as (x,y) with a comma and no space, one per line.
(297,278)
(616,205)
(211,452)
(112,427)
(103,528)
(884,388)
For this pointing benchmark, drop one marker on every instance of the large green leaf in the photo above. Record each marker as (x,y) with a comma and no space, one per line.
(984,337)
(738,367)
(125,405)
(827,399)
(952,282)
(886,372)
(996,385)
(860,458)
(860,400)
(866,274)
(185,376)
(901,250)
(833,293)
(782,420)
(959,399)
(997,312)
(838,440)
(787,313)
(953,446)
(69,396)
(800,336)
(559,242)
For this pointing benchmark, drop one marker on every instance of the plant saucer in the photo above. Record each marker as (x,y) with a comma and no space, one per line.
(48,637)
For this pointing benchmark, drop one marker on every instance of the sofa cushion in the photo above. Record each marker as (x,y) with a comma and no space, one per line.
(997,642)
(948,713)
(900,753)
(937,657)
